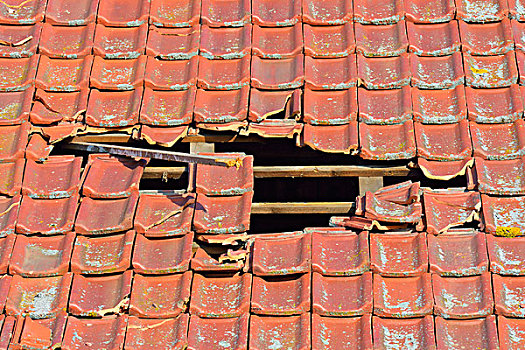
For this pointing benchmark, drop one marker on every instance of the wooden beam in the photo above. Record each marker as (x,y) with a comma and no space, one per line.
(125,138)
(303,208)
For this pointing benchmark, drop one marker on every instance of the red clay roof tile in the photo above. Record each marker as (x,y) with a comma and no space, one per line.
(6,249)
(338,332)
(277,42)
(178,13)
(424,11)
(221,106)
(330,73)
(508,295)
(101,216)
(283,296)
(503,105)
(234,13)
(67,42)
(220,297)
(498,177)
(502,212)
(498,141)
(467,334)
(203,261)
(381,41)
(266,104)
(160,296)
(410,332)
(384,72)
(322,12)
(38,298)
(211,333)
(274,13)
(171,75)
(113,108)
(228,43)
(458,253)
(56,74)
(161,256)
(124,43)
(38,148)
(9,208)
(143,333)
(330,107)
(342,296)
(15,106)
(439,106)
(41,256)
(511,332)
(481,10)
(435,39)
(173,43)
(403,254)
(19,41)
(385,106)
(118,74)
(61,12)
(443,142)
(222,214)
(275,128)
(486,38)
(123,13)
(277,74)
(490,71)
(506,255)
(374,12)
(107,332)
(17,74)
(11,174)
(518,29)
(224,74)
(52,107)
(5,283)
(167,108)
(32,11)
(268,254)
(40,334)
(437,72)
(163,136)
(386,210)
(387,142)
(46,216)
(329,41)
(290,332)
(99,255)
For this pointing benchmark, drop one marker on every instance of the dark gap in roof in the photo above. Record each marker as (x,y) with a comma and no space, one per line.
(287,223)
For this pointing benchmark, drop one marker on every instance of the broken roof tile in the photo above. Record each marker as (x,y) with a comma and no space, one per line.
(40,334)
(180,13)
(498,141)
(322,12)
(381,41)
(281,296)
(330,73)
(394,332)
(173,43)
(222,214)
(6,249)
(232,260)
(213,333)
(439,106)
(279,74)
(503,105)
(19,41)
(55,74)
(9,209)
(465,297)
(161,256)
(98,255)
(330,107)
(391,106)
(46,216)
(506,255)
(384,72)
(486,38)
(17,74)
(107,176)
(123,43)
(123,13)
(13,141)
(340,333)
(403,297)
(382,12)
(434,39)
(56,177)
(52,107)
(444,170)
(100,216)
(437,72)
(167,108)
(342,296)
(113,108)
(275,128)
(490,71)
(160,296)
(60,12)
(458,253)
(67,42)
(479,333)
(5,283)
(100,296)
(508,295)
(481,10)
(38,148)
(511,332)
(406,192)
(291,332)
(103,333)
(386,210)
(400,254)
(443,142)
(268,254)
(274,13)
(160,215)
(228,43)
(221,106)
(41,256)
(499,177)
(171,75)
(340,253)
(331,138)
(118,74)
(436,11)
(144,333)
(234,13)
(15,106)
(329,41)
(499,212)
(224,74)
(11,174)
(448,209)
(220,297)
(38,298)
(163,136)
(387,142)
(277,42)
(267,104)
(27,12)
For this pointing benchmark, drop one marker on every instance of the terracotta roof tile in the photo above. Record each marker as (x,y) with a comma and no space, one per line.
(117,74)
(38,148)
(339,332)
(41,180)
(329,41)
(342,296)
(481,10)
(222,214)
(332,138)
(171,75)
(435,39)
(227,262)
(443,142)
(11,174)
(52,107)
(283,296)
(106,332)
(167,13)
(206,333)
(422,11)
(221,297)
(221,106)
(502,212)
(9,206)
(384,72)
(330,73)
(123,13)
(46,216)
(63,74)
(399,254)
(383,209)
(390,332)
(385,106)
(386,142)
(124,43)
(506,255)
(518,29)
(439,106)
(160,256)
(100,296)
(508,295)
(291,331)
(231,43)
(14,35)
(490,71)
(224,74)
(458,253)
(167,108)
(40,256)
(113,108)
(486,38)
(275,128)
(29,12)
(38,298)
(278,42)
(498,141)
(173,43)
(268,73)
(67,42)
(44,333)
(163,136)
(15,106)
(268,254)
(274,13)
(511,332)
(469,334)
(61,12)
(340,253)
(503,105)
(443,72)
(266,104)
(143,333)
(373,12)
(381,41)
(234,13)
(499,177)
(17,74)
(6,248)
(330,107)
(322,12)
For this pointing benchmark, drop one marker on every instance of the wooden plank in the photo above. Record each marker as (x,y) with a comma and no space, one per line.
(372,184)
(125,138)
(163,172)
(303,208)
(197,147)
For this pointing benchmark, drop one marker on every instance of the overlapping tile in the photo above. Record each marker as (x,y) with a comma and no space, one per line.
(60,12)
(476,333)
(443,142)
(67,42)
(171,75)
(398,255)
(281,296)
(486,38)
(225,14)
(506,255)
(498,141)
(443,72)
(481,10)
(381,41)
(338,332)
(123,13)
(421,11)
(206,333)
(161,256)
(391,106)
(28,12)
(433,40)
(417,332)
(439,106)
(19,41)
(331,138)
(121,43)
(291,331)
(384,72)
(222,214)
(503,105)
(167,108)
(268,252)
(166,13)
(106,332)
(117,74)
(373,12)
(113,108)
(329,41)
(499,177)
(330,73)
(173,43)
(387,142)
(149,333)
